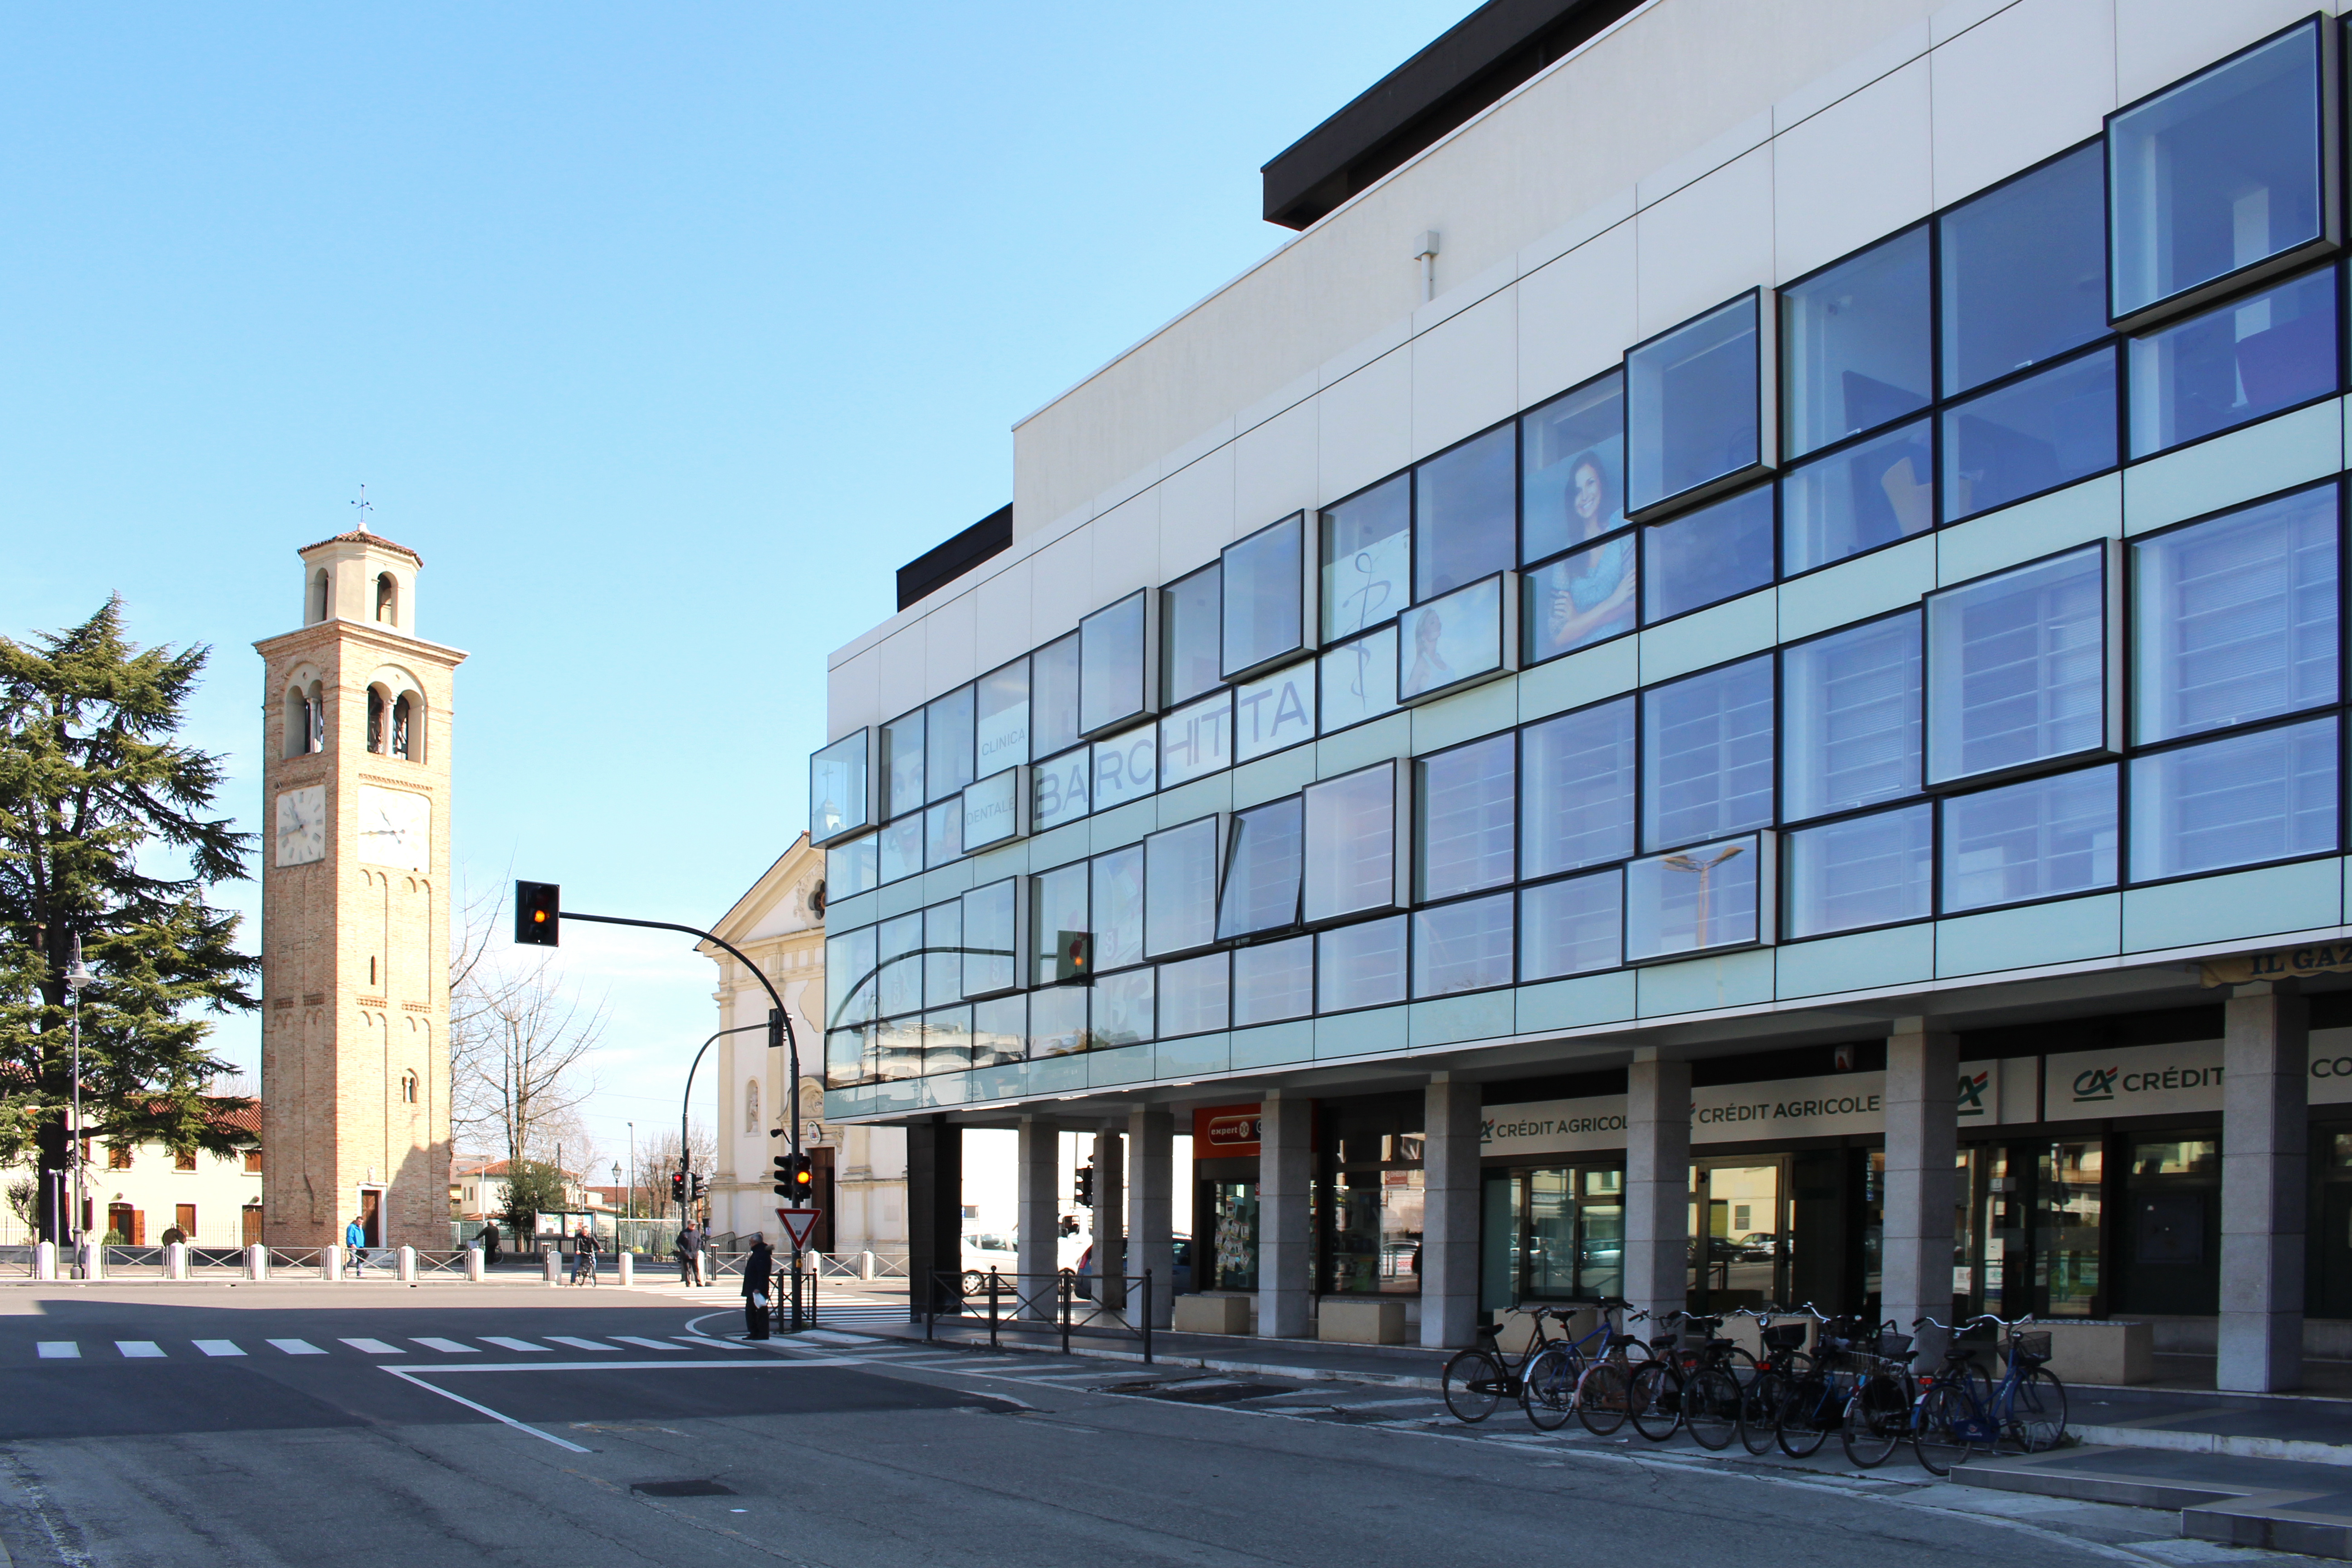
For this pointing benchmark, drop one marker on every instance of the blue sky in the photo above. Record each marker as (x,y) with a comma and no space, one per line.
(665,336)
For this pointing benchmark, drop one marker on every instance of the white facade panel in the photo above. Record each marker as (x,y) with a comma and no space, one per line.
(1364,426)
(1573,312)
(1853,173)
(2017,86)
(2160,41)
(1196,513)
(1275,468)
(1465,373)
(1704,243)
(1062,585)
(1126,549)
(1001,631)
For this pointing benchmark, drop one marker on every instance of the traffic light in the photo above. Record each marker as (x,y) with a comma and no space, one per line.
(697,1188)
(1083,1195)
(783,1164)
(678,1187)
(775,1028)
(796,1178)
(539,913)
(1074,955)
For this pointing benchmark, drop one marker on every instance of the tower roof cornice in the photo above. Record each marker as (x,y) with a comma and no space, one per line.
(362,536)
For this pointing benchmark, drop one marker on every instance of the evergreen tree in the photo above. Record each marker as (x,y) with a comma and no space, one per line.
(99,799)
(533,1188)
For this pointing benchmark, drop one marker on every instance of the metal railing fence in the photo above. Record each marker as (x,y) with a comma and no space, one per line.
(1042,1302)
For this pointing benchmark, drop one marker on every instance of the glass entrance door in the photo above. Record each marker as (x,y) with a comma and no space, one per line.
(2067,1229)
(1739,1235)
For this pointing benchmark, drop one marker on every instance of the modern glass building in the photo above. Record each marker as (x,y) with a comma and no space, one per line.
(1724,682)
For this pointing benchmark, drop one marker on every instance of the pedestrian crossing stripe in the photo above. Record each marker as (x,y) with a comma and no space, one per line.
(375,1347)
(297,1347)
(151,1350)
(574,1344)
(59,1350)
(446,1347)
(507,1344)
(139,1349)
(219,1347)
(650,1344)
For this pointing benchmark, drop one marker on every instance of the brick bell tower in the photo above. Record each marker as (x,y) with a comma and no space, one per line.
(355,907)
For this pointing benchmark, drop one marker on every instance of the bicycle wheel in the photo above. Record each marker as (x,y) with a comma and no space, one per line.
(1807,1415)
(1877,1418)
(1711,1407)
(1474,1383)
(2037,1414)
(1547,1387)
(1759,1409)
(1601,1396)
(1655,1399)
(1938,1428)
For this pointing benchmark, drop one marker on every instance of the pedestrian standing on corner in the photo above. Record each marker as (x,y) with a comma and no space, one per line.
(355,1243)
(490,1245)
(689,1254)
(584,1255)
(758,1283)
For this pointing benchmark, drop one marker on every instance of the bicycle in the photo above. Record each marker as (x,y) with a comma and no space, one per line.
(1878,1410)
(1961,1412)
(1784,1365)
(1816,1399)
(1604,1394)
(1549,1379)
(1478,1379)
(1697,1383)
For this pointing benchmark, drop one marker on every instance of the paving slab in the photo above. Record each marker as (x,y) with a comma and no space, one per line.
(2275,1505)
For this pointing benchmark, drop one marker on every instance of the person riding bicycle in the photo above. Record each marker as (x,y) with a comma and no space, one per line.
(584,1255)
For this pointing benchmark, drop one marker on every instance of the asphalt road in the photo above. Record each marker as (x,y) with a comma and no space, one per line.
(269,1426)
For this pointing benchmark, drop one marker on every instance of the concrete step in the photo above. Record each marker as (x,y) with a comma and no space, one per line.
(2276,1505)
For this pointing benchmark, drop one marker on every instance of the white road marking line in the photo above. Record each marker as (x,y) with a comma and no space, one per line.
(507,1344)
(716,1344)
(375,1347)
(485,1410)
(59,1350)
(297,1347)
(650,1344)
(139,1350)
(577,1344)
(446,1347)
(219,1347)
(739,1364)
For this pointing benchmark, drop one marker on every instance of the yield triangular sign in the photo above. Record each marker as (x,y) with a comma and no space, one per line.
(799,1225)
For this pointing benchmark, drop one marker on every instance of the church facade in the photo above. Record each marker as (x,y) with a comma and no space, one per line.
(355,907)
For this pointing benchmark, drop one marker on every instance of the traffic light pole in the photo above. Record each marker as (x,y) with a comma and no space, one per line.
(781,1015)
(686,1103)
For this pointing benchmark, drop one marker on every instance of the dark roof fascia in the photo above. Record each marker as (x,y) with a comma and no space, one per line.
(942,564)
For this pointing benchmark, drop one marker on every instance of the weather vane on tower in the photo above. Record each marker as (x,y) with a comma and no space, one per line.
(366,506)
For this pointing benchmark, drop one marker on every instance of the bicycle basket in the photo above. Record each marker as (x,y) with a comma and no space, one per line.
(1895,1347)
(2029,1348)
(1784,1337)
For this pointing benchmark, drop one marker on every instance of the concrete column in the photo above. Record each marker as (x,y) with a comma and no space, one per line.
(1150,1207)
(330,1261)
(1922,1068)
(1110,1217)
(176,1260)
(1039,1215)
(934,1211)
(1657,1187)
(477,1267)
(1449,1212)
(403,1264)
(257,1262)
(626,1262)
(45,1260)
(1286,1164)
(2265,1057)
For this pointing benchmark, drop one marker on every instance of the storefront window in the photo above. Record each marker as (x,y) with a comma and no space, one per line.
(2066,1240)
(1232,1230)
(1368,1208)
(2172,1197)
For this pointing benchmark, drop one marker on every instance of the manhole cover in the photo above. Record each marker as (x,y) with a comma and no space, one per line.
(682,1488)
(1201,1392)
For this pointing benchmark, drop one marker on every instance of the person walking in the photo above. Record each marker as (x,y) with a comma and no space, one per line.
(490,1245)
(584,1255)
(355,1243)
(758,1287)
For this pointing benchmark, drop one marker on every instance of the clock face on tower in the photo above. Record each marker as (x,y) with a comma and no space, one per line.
(302,825)
(395,828)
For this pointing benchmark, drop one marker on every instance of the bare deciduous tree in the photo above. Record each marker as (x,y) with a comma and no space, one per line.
(518,1041)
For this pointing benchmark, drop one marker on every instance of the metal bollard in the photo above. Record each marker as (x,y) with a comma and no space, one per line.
(551,1262)
(475,1266)
(92,1260)
(403,1264)
(330,1261)
(176,1260)
(628,1271)
(257,1262)
(866,1265)
(45,1260)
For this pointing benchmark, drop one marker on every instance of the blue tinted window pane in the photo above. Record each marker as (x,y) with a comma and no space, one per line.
(1000,1031)
(1274,982)
(2219,173)
(1465,509)
(902,765)
(946,1040)
(2025,272)
(1350,846)
(1265,594)
(848,1057)
(899,953)
(1192,996)
(1692,408)
(1360,679)
(1862,498)
(2235,802)
(2016,667)
(2031,840)
(989,936)
(1119,908)
(1864,871)
(2236,618)
(1855,345)
(1122,1010)
(849,991)
(2227,366)
(1180,889)
(1057,910)
(1462,947)
(947,743)
(1580,599)
(837,803)
(1573,452)
(1850,716)
(1693,900)
(1464,803)
(1366,552)
(1714,552)
(942,963)
(943,832)
(2031,436)
(1111,665)
(851,869)
(1058,1021)
(1707,749)
(1054,697)
(1572,927)
(1576,806)
(1000,720)
(1262,870)
(1360,966)
(1191,624)
(901,847)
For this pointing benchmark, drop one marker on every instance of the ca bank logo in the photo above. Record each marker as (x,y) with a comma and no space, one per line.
(1972,1092)
(2095,1084)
